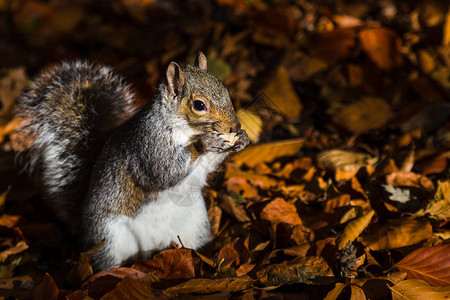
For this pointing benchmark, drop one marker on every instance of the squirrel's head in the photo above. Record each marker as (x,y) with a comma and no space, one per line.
(200,98)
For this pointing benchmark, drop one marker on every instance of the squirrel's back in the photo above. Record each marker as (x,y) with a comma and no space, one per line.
(68,111)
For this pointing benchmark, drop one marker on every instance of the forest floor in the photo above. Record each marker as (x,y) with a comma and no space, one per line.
(345,192)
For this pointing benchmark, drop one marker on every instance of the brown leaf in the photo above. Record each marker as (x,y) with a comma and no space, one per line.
(354,229)
(398,233)
(46,290)
(207,286)
(83,269)
(357,293)
(233,254)
(237,211)
(267,152)
(10,221)
(446,34)
(439,206)
(310,270)
(169,264)
(335,45)
(409,179)
(382,46)
(364,115)
(343,160)
(253,178)
(241,187)
(10,88)
(130,288)
(415,289)
(280,211)
(215,216)
(431,265)
(438,165)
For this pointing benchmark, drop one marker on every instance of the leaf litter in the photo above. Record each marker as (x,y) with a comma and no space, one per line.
(345,190)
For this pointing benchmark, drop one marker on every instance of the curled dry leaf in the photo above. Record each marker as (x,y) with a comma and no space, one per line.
(281,96)
(409,179)
(344,161)
(382,46)
(334,293)
(18,248)
(354,229)
(414,289)
(310,270)
(268,152)
(431,265)
(207,286)
(439,206)
(364,115)
(398,233)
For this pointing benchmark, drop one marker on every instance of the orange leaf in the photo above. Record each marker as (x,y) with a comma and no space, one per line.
(409,179)
(207,286)
(280,211)
(169,264)
(46,290)
(431,265)
(382,46)
(335,45)
(398,233)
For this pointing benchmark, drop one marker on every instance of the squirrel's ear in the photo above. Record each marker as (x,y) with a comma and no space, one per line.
(175,79)
(201,61)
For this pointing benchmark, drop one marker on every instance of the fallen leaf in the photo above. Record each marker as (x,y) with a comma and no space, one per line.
(414,289)
(334,293)
(279,211)
(169,264)
(237,211)
(130,288)
(354,229)
(426,61)
(357,293)
(280,95)
(398,233)
(310,270)
(18,248)
(438,165)
(333,46)
(339,161)
(430,264)
(255,180)
(409,179)
(46,290)
(11,86)
(251,123)
(364,115)
(446,34)
(439,206)
(382,46)
(233,254)
(207,286)
(267,152)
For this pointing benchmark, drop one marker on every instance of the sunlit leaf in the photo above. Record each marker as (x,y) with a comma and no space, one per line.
(354,229)
(207,286)
(439,206)
(431,265)
(414,289)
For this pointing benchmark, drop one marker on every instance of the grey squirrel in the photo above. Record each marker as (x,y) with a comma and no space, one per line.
(125,182)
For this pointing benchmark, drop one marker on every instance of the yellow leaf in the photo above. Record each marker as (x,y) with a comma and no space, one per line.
(357,293)
(206,286)
(256,154)
(354,229)
(281,96)
(334,293)
(439,206)
(446,34)
(251,123)
(415,289)
(398,233)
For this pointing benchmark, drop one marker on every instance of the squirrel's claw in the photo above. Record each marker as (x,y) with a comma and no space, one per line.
(242,142)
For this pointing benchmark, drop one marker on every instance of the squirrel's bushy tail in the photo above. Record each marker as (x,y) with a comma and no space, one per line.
(68,111)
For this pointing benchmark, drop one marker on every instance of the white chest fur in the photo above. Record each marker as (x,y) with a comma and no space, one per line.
(178,211)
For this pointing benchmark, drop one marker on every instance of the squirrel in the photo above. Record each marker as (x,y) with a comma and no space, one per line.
(122,175)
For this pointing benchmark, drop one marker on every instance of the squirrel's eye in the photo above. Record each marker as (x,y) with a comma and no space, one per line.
(199,105)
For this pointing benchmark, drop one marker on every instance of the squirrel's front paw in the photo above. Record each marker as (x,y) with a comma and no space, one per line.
(242,142)
(213,142)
